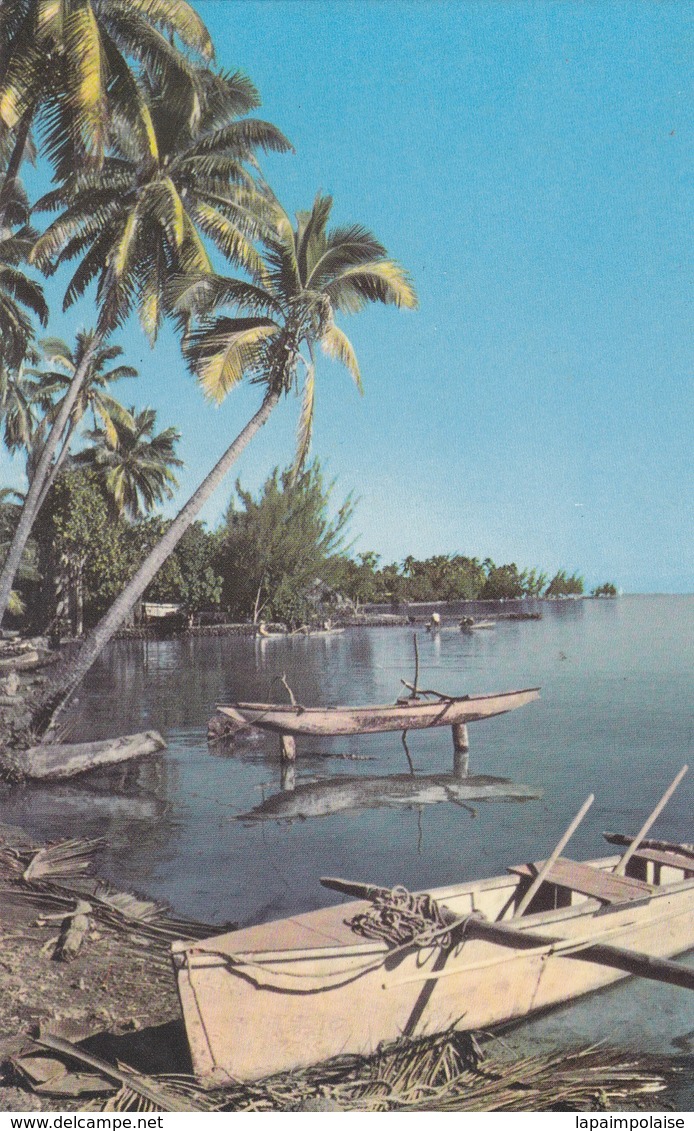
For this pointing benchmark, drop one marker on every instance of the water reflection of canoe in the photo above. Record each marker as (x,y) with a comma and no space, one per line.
(320,985)
(322,798)
(409,714)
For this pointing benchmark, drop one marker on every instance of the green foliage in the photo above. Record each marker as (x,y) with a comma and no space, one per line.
(133,463)
(446,577)
(189,576)
(276,546)
(563,586)
(357,580)
(606,590)
(82,555)
(21,300)
(28,569)
(443,577)
(86,555)
(503,583)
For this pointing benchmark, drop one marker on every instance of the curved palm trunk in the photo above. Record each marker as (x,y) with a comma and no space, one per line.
(70,673)
(35,494)
(53,474)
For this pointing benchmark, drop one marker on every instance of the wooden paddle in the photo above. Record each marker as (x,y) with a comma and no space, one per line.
(630,961)
(621,866)
(549,864)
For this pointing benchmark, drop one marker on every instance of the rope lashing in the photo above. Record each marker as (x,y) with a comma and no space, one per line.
(398,917)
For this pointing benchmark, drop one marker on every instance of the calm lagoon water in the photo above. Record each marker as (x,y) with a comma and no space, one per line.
(615,719)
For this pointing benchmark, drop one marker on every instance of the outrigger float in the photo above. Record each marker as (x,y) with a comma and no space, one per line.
(343,979)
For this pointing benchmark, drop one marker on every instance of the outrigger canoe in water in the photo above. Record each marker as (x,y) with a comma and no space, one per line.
(343,979)
(407,714)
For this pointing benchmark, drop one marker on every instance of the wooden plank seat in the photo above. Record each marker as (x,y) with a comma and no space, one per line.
(668,857)
(593,882)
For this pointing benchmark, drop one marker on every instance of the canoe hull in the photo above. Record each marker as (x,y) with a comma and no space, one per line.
(287,994)
(412,715)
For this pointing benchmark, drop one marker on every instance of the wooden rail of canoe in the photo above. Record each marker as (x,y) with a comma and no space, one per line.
(474,925)
(292,719)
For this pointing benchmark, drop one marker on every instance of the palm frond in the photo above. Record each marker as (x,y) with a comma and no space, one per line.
(337,345)
(229,238)
(15,283)
(128,106)
(310,234)
(22,78)
(222,353)
(202,295)
(56,350)
(86,95)
(305,429)
(384,281)
(242,137)
(344,247)
(176,17)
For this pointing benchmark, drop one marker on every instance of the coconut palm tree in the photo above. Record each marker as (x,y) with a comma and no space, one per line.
(66,62)
(141,217)
(311,274)
(139,220)
(133,462)
(93,395)
(18,408)
(21,299)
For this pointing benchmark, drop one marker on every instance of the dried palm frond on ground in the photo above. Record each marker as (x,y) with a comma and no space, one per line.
(449,1073)
(68,858)
(55,876)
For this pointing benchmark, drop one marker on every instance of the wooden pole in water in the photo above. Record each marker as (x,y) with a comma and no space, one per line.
(621,867)
(461,746)
(549,864)
(287,776)
(287,748)
(461,763)
(461,740)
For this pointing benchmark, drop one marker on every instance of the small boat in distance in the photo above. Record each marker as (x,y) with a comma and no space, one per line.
(342,980)
(467,624)
(407,714)
(299,633)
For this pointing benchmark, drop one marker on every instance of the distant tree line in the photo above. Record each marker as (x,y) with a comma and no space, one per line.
(277,555)
(449,577)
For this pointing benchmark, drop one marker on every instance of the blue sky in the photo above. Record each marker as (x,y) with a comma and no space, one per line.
(527,162)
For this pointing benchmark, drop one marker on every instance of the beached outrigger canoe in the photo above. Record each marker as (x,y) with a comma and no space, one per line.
(290,993)
(407,714)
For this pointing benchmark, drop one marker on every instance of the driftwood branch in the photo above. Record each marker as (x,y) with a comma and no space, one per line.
(437,694)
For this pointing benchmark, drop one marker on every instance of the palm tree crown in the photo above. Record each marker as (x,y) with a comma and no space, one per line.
(67,61)
(134,463)
(20,298)
(139,219)
(93,394)
(311,274)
